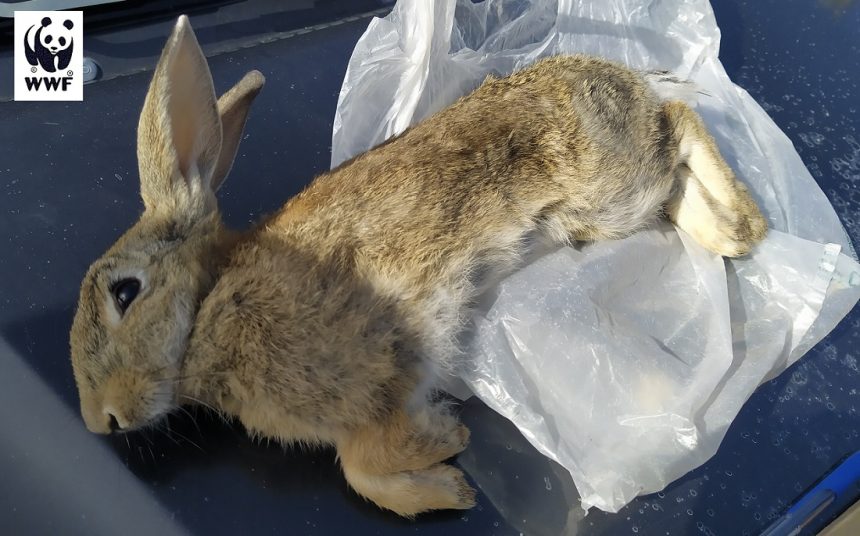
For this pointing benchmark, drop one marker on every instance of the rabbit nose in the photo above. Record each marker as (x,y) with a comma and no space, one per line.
(112,424)
(115,421)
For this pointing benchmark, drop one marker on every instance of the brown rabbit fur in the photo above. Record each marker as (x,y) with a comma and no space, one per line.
(316,326)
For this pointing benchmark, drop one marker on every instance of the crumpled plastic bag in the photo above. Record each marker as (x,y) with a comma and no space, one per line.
(625,361)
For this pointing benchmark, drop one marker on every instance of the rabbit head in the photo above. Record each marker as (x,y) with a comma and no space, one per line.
(138,302)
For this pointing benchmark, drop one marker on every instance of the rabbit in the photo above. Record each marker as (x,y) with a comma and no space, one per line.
(317,325)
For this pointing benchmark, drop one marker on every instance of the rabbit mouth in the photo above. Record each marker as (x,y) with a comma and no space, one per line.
(155,412)
(151,422)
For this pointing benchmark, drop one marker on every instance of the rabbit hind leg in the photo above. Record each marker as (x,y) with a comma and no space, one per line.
(710,203)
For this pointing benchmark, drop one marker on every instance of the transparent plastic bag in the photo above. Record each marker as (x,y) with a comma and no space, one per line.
(624,361)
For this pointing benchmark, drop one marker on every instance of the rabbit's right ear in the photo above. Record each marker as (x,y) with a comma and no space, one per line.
(233,107)
(179,133)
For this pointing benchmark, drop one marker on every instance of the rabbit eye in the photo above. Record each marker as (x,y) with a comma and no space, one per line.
(124,292)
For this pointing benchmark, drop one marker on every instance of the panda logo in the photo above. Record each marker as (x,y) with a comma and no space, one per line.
(51,46)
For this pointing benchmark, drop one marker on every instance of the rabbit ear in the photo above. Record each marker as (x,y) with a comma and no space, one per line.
(233,107)
(179,133)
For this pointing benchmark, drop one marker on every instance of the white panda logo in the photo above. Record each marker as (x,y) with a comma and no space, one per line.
(51,46)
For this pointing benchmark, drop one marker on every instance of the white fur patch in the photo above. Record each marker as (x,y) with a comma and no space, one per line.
(709,173)
(693,214)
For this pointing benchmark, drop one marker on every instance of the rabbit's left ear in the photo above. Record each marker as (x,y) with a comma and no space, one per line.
(233,107)
(179,133)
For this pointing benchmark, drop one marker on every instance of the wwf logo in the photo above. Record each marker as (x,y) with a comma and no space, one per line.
(51,46)
(49,57)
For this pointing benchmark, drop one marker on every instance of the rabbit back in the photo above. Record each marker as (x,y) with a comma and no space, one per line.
(371,270)
(573,148)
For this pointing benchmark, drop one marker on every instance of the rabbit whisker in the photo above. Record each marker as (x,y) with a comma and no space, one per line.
(168,435)
(186,438)
(190,416)
(144,436)
(197,400)
(217,412)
